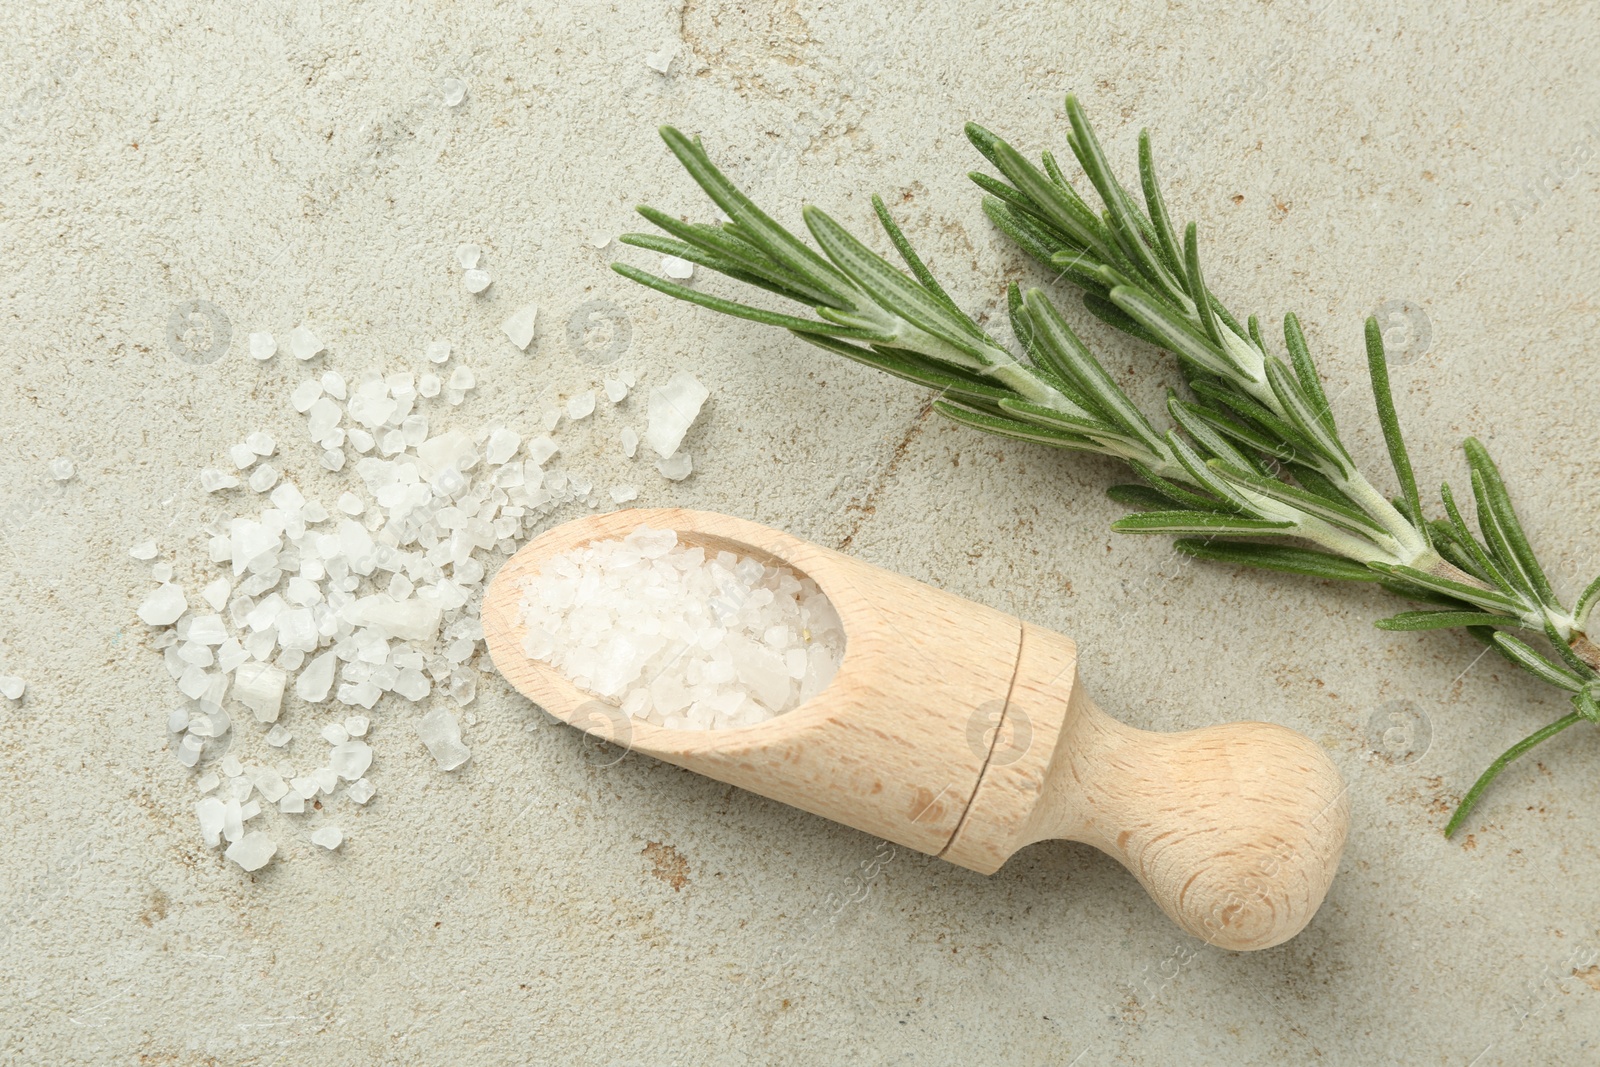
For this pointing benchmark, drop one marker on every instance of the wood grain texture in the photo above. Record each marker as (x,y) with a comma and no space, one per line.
(885,748)
(961,732)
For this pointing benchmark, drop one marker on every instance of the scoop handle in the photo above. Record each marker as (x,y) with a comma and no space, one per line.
(1235,831)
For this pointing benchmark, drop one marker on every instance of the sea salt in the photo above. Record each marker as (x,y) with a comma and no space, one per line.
(581,406)
(263,345)
(476,281)
(677,267)
(303,343)
(681,638)
(672,409)
(518,326)
(162,607)
(453,91)
(360,791)
(12,687)
(630,441)
(329,837)
(252,851)
(62,469)
(621,494)
(441,735)
(616,390)
(661,61)
(676,467)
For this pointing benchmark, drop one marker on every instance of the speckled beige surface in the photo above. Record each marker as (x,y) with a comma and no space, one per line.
(293,161)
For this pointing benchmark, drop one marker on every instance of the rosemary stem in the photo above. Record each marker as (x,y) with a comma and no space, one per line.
(1471,799)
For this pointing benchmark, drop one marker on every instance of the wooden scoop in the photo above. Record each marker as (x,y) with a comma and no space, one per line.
(962,732)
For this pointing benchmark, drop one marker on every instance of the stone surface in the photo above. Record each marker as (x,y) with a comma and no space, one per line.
(289,166)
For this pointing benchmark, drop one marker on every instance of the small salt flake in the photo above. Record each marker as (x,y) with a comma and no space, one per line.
(630,441)
(350,759)
(441,734)
(462,378)
(263,477)
(503,444)
(303,343)
(143,550)
(360,791)
(252,851)
(453,91)
(673,409)
(12,687)
(476,281)
(581,406)
(329,837)
(518,326)
(661,61)
(621,494)
(335,734)
(242,455)
(211,814)
(332,459)
(277,737)
(261,444)
(62,469)
(357,725)
(263,345)
(675,467)
(350,504)
(616,390)
(162,607)
(334,385)
(677,267)
(231,767)
(208,782)
(467,256)
(216,594)
(292,803)
(599,240)
(306,393)
(213,480)
(541,448)
(161,572)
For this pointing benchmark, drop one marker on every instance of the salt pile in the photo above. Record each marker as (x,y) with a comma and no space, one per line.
(376,597)
(679,638)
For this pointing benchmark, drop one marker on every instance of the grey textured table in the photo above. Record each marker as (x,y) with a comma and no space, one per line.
(282,162)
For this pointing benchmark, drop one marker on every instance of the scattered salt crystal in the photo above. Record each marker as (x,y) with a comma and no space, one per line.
(621,494)
(429,385)
(231,767)
(329,837)
(261,444)
(162,607)
(259,687)
(356,725)
(332,459)
(673,409)
(252,851)
(211,480)
(599,240)
(437,351)
(441,734)
(314,682)
(269,784)
(476,281)
(334,385)
(327,780)
(277,737)
(303,343)
(208,782)
(661,61)
(189,750)
(630,441)
(307,393)
(62,469)
(580,406)
(350,504)
(263,477)
(503,444)
(242,455)
(541,448)
(677,267)
(210,812)
(161,572)
(143,550)
(454,91)
(216,594)
(616,390)
(12,687)
(518,326)
(350,759)
(360,791)
(263,345)
(675,467)
(335,734)
(462,378)
(292,803)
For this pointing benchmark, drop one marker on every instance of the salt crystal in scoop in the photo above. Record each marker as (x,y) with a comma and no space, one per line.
(668,635)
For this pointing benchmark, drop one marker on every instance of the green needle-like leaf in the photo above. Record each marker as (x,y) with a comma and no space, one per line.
(1378,369)
(1285,558)
(1502,525)
(1438,620)
(745,311)
(1470,801)
(1523,655)
(1195,522)
(918,268)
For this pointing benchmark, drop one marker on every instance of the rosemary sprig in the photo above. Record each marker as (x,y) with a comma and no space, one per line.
(1254,451)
